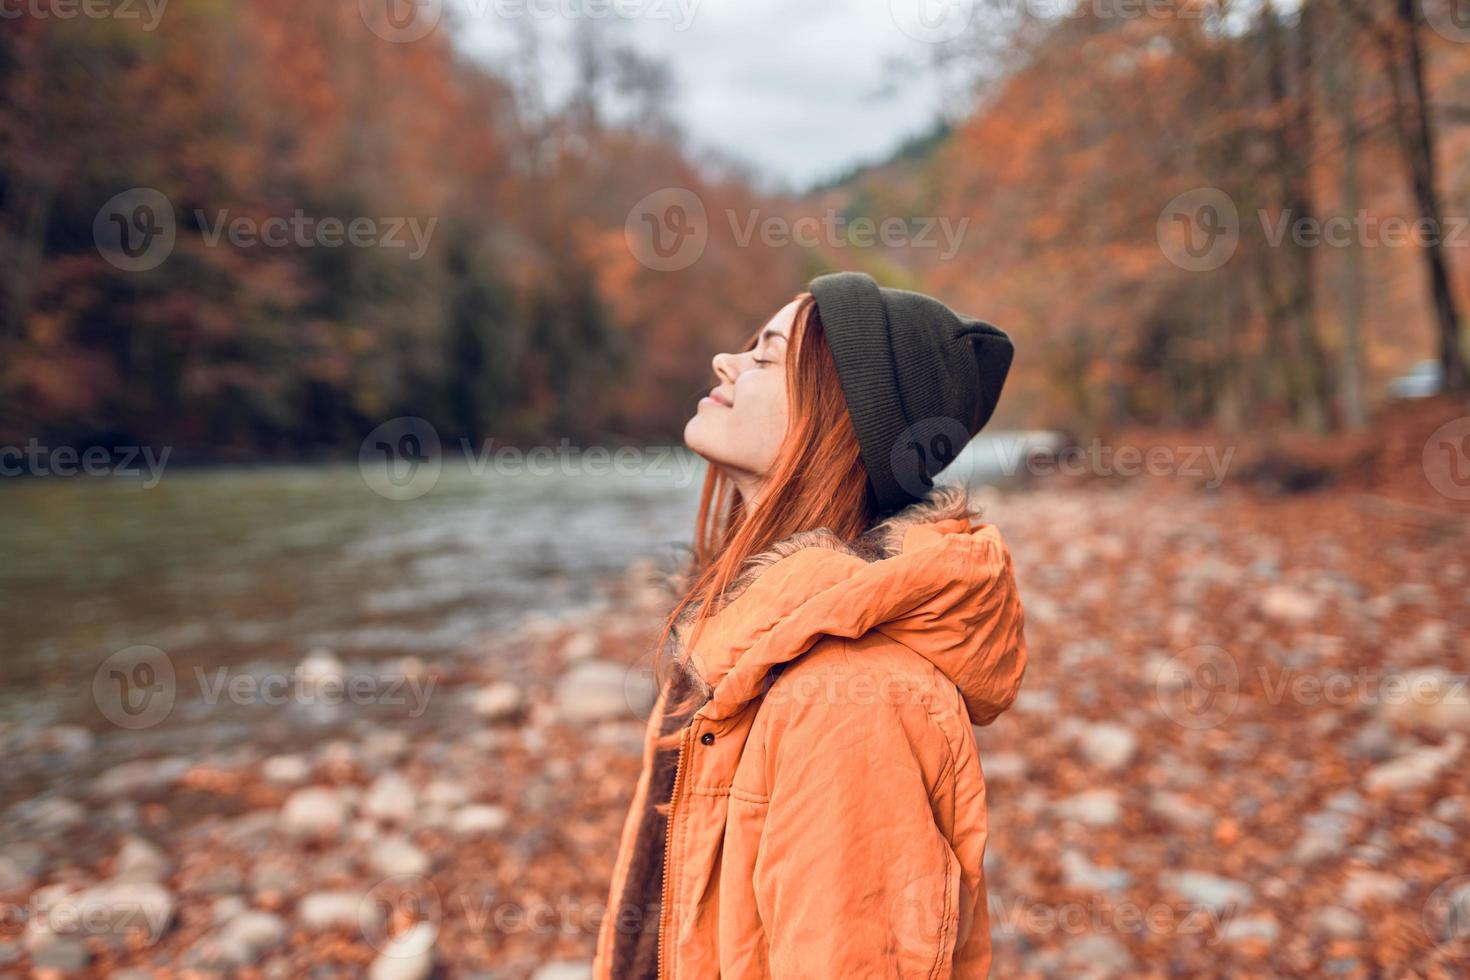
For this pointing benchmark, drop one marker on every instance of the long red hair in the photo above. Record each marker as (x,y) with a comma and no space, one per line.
(816,481)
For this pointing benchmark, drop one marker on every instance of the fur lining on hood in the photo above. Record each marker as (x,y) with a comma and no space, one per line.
(882,540)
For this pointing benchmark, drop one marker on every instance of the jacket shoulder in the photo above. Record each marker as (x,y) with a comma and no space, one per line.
(872,701)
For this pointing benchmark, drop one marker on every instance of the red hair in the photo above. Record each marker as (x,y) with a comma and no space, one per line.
(816,481)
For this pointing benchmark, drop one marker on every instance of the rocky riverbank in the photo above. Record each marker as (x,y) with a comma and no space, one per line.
(1240,750)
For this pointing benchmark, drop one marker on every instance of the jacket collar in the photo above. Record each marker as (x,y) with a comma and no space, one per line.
(928,578)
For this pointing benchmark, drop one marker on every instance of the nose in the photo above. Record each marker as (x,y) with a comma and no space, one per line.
(725,368)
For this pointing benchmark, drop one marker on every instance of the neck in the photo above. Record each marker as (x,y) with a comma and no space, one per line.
(750,486)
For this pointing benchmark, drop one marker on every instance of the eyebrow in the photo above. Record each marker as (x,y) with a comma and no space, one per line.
(770,332)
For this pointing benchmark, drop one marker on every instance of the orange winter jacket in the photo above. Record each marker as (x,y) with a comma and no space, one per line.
(822,813)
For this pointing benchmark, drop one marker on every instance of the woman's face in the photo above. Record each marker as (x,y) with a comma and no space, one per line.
(740,424)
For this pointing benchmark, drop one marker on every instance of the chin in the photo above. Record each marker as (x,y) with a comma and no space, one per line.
(692,437)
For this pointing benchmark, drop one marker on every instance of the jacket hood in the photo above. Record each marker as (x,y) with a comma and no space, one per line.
(927,578)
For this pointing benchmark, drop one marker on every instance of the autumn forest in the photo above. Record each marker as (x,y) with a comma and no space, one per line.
(1226,214)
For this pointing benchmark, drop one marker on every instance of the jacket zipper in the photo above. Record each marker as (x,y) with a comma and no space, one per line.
(663,908)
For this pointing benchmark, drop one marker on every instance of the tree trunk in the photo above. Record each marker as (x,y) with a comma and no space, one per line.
(1342,93)
(1416,141)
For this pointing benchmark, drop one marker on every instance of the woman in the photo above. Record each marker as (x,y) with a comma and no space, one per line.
(811,803)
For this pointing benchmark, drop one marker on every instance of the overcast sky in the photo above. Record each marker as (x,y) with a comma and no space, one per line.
(798,88)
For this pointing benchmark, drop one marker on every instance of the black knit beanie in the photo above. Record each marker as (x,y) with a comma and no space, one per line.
(919,379)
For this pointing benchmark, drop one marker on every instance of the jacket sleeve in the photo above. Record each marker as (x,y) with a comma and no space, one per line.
(854,877)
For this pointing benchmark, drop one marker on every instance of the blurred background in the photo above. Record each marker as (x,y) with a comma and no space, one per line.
(345,349)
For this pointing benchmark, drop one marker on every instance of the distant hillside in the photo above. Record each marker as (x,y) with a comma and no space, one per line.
(914,150)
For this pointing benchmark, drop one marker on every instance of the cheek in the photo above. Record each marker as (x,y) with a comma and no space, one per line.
(764,409)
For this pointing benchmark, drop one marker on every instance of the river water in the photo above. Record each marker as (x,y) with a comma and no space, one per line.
(252,569)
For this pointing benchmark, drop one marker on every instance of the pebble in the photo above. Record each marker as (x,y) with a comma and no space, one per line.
(334,909)
(1108,745)
(391,798)
(1288,605)
(318,667)
(479,818)
(314,812)
(597,690)
(287,770)
(1255,928)
(274,877)
(1001,766)
(1337,922)
(1432,698)
(125,908)
(1180,810)
(1372,888)
(396,855)
(500,701)
(1435,831)
(1373,741)
(249,935)
(140,860)
(442,792)
(48,814)
(1451,809)
(581,646)
(1094,807)
(225,908)
(1416,769)
(1324,835)
(68,954)
(140,777)
(13,876)
(67,740)
(1080,873)
(1208,889)
(1097,956)
(564,970)
(409,957)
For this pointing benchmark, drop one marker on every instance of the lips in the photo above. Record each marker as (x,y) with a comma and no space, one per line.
(718,397)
